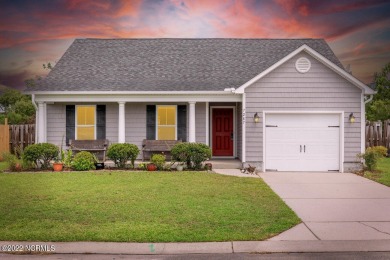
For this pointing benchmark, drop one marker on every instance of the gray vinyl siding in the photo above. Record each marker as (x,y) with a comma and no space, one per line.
(200,122)
(56,124)
(112,111)
(320,89)
(135,122)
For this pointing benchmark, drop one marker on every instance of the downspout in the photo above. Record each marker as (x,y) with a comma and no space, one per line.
(363,122)
(369,99)
(33,101)
(36,116)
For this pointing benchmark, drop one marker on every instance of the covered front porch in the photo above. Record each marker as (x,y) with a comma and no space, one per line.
(213,119)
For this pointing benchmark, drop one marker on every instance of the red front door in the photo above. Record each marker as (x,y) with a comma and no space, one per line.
(222,132)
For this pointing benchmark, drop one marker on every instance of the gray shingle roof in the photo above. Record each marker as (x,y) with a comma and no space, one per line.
(169,64)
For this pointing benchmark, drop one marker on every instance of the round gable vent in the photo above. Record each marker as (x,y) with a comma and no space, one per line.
(302,65)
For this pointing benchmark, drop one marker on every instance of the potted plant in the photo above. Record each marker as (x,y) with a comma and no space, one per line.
(180,155)
(58,164)
(151,167)
(67,159)
(158,160)
(98,165)
(180,167)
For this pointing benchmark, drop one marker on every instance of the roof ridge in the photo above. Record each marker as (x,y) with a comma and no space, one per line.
(216,38)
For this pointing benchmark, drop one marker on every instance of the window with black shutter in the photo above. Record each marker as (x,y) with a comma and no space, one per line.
(85,122)
(151,122)
(70,123)
(169,122)
(182,123)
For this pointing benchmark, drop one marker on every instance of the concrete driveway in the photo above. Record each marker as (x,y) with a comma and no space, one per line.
(333,206)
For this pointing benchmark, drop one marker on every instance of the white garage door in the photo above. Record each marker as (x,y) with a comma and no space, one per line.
(302,142)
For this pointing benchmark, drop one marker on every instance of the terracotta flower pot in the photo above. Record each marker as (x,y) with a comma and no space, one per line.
(57,167)
(18,167)
(151,167)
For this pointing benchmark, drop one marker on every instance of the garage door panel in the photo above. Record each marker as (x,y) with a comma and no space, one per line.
(302,142)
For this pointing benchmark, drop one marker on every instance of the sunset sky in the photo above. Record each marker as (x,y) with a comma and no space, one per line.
(39,31)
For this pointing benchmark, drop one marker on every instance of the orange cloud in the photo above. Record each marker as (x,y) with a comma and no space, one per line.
(224,18)
(46,30)
(240,21)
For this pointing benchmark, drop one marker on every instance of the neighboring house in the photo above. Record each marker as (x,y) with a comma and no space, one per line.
(279,104)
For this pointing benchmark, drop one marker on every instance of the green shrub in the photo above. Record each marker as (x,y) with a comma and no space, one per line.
(142,166)
(199,153)
(83,161)
(67,158)
(180,153)
(372,156)
(12,161)
(121,153)
(40,154)
(158,160)
(194,154)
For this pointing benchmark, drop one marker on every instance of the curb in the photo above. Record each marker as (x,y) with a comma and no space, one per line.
(195,248)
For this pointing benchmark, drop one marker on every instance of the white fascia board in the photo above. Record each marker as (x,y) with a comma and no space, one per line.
(125,92)
(320,58)
(94,98)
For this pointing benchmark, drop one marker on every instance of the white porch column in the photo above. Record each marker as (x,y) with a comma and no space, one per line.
(207,124)
(41,123)
(243,134)
(121,123)
(191,133)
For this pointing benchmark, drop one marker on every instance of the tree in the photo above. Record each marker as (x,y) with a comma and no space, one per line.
(18,108)
(379,108)
(33,81)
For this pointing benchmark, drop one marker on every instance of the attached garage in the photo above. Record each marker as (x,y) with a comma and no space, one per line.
(303,141)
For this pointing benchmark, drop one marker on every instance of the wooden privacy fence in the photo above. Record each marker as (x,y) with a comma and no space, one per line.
(4,139)
(378,133)
(21,136)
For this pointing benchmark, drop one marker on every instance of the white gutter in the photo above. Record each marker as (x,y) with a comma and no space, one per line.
(128,92)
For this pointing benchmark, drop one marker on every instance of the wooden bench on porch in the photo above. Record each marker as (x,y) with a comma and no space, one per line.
(97,147)
(150,147)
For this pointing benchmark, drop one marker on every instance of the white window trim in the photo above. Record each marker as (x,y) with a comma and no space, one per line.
(76,107)
(157,106)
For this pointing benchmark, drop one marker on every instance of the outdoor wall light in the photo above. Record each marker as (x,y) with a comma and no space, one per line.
(256,118)
(351,118)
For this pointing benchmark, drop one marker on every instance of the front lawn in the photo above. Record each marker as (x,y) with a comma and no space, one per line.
(139,207)
(382,175)
(3,166)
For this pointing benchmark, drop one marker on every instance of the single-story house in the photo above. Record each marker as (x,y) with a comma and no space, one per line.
(279,104)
